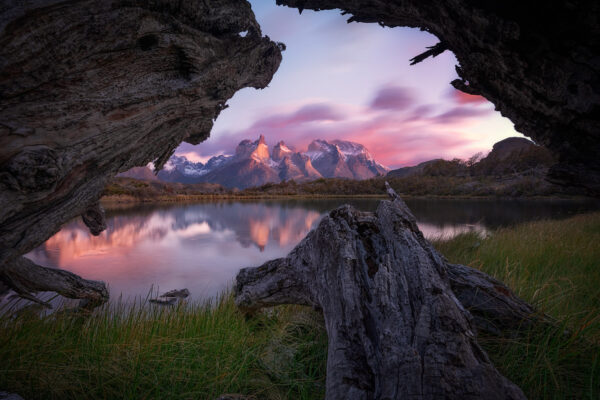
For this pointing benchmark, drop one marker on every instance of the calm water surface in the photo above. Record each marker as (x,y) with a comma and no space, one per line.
(202,246)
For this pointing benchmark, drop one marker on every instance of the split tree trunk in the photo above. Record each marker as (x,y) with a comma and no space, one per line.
(394,308)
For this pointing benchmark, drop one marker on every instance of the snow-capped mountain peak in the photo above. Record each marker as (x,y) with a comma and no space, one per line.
(279,151)
(342,158)
(257,150)
(252,164)
(352,149)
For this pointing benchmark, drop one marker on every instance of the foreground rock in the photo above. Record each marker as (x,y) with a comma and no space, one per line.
(395,310)
(92,88)
(171,297)
(537,63)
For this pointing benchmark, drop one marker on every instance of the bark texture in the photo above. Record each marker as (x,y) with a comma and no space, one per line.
(27,278)
(91,88)
(394,308)
(538,63)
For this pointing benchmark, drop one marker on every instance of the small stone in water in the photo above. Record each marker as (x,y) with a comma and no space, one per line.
(179,293)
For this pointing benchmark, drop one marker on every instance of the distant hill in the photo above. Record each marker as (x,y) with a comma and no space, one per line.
(252,164)
(504,148)
(409,171)
(148,190)
(515,167)
(513,155)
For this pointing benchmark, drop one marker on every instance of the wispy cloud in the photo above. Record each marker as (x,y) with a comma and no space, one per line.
(396,128)
(393,98)
(305,114)
(460,113)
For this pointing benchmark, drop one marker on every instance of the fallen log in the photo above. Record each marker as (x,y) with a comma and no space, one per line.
(392,307)
(92,88)
(494,307)
(27,278)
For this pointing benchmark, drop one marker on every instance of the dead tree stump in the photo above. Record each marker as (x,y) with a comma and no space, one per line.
(396,327)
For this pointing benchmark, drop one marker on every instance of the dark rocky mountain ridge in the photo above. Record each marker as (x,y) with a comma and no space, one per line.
(506,147)
(413,170)
(512,156)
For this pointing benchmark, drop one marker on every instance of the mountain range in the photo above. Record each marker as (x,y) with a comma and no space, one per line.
(252,164)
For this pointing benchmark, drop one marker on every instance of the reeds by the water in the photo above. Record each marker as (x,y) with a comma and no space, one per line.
(142,351)
(202,350)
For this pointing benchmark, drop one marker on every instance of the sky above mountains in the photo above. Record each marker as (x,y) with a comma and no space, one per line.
(354,82)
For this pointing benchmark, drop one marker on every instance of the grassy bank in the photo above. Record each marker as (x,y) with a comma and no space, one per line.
(556,266)
(192,351)
(203,350)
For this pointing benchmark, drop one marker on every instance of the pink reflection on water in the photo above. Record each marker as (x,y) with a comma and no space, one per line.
(200,247)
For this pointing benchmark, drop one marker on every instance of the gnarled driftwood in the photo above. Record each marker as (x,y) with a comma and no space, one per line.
(26,278)
(539,65)
(394,308)
(92,88)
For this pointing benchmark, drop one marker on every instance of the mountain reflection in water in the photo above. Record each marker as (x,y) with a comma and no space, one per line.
(202,246)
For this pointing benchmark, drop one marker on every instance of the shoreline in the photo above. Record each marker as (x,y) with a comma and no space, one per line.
(202,198)
(198,347)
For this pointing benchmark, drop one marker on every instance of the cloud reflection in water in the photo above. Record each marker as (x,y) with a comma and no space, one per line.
(202,246)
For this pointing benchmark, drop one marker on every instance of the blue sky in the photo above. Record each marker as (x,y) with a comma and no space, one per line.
(354,82)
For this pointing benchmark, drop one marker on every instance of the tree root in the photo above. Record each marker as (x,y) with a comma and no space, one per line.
(26,277)
(396,312)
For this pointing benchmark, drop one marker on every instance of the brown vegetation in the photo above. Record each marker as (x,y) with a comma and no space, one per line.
(518,174)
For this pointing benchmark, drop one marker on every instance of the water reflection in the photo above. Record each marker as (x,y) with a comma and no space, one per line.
(202,246)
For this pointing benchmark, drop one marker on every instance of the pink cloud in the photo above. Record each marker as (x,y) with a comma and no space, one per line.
(460,113)
(465,98)
(419,132)
(193,156)
(394,143)
(307,113)
(393,98)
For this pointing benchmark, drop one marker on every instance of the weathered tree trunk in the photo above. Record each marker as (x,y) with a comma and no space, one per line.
(396,327)
(91,88)
(26,278)
(537,62)
(494,307)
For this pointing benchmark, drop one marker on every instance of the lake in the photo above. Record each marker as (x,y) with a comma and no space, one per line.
(202,246)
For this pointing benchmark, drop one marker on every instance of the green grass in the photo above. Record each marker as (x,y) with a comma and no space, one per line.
(556,266)
(192,351)
(199,351)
